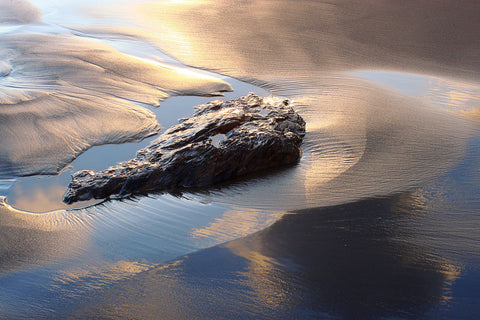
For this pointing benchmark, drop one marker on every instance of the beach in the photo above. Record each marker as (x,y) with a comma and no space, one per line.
(378,219)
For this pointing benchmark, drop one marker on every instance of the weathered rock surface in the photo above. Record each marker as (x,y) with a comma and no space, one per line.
(221,141)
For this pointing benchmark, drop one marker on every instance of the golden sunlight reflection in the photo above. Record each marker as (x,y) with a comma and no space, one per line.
(355,252)
(266,38)
(40,200)
(234,224)
(94,277)
(67,94)
(185,2)
(146,15)
(362,140)
(262,276)
(332,261)
(458,97)
(473,114)
(378,220)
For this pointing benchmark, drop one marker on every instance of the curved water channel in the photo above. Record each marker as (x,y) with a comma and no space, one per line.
(378,219)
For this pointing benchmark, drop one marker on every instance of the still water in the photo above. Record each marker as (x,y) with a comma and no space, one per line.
(378,220)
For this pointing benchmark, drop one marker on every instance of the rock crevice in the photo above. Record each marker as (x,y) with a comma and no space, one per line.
(221,141)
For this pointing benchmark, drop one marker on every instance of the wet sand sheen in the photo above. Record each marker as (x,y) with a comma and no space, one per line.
(395,253)
(265,39)
(67,94)
(44,193)
(363,140)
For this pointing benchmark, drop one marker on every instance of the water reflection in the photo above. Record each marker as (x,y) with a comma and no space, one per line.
(38,199)
(413,255)
(54,260)
(461,98)
(234,224)
(343,260)
(353,261)
(44,193)
(362,140)
(66,94)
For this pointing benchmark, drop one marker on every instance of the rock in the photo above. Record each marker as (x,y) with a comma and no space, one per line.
(221,141)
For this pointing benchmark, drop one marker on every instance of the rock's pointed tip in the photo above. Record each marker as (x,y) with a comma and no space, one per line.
(254,134)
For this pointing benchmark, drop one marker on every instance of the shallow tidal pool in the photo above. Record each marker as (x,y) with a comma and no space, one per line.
(378,220)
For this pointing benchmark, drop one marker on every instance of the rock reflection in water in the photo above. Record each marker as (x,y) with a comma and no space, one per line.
(354,261)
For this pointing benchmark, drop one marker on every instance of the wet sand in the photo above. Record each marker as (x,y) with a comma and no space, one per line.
(378,220)
(265,39)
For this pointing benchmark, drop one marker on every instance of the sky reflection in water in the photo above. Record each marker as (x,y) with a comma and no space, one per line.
(389,258)
(388,184)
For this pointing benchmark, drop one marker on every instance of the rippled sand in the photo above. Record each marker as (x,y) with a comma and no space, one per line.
(379,219)
(61,94)
(363,139)
(278,38)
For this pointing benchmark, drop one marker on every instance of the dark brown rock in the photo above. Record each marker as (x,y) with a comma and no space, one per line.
(221,141)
